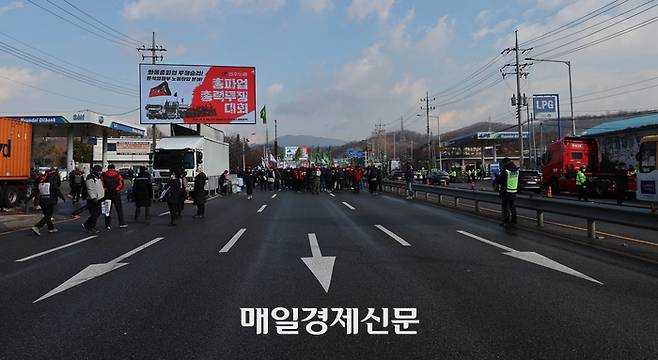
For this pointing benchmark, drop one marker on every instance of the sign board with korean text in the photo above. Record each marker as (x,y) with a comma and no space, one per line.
(197,94)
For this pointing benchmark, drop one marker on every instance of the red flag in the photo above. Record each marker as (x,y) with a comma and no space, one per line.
(160,90)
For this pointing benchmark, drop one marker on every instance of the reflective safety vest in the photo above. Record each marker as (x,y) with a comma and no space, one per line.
(512,181)
(580,178)
(453,173)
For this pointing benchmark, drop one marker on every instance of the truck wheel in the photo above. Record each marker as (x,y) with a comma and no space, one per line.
(9,197)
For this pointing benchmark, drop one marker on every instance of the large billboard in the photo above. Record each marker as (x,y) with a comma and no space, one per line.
(197,94)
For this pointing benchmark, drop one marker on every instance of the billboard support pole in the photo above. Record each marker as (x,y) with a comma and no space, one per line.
(154,58)
(276,145)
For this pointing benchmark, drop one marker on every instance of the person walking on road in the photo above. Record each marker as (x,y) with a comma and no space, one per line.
(372,179)
(507,184)
(76,182)
(199,194)
(113,183)
(316,176)
(95,196)
(409,179)
(48,192)
(621,184)
(249,182)
(172,195)
(581,183)
(358,177)
(143,193)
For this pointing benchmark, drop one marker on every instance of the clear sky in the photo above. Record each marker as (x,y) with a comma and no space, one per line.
(329,67)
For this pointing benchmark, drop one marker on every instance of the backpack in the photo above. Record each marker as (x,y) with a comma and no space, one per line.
(77,179)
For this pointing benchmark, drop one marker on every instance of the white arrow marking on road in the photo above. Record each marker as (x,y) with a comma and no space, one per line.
(532,257)
(321,266)
(164,213)
(349,206)
(261,209)
(96,270)
(393,235)
(57,248)
(273,196)
(233,240)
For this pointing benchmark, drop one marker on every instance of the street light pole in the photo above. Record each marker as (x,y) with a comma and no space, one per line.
(568,64)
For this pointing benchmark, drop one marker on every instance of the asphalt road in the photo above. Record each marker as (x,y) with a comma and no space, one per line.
(480,291)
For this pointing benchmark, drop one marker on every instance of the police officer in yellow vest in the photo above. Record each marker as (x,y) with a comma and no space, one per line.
(581,183)
(507,184)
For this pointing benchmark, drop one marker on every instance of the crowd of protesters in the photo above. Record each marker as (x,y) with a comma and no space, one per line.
(313,179)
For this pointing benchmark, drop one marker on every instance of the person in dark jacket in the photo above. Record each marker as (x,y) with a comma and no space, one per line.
(380,175)
(172,195)
(409,179)
(507,185)
(249,182)
(76,182)
(95,196)
(48,192)
(182,176)
(113,183)
(621,184)
(199,194)
(143,193)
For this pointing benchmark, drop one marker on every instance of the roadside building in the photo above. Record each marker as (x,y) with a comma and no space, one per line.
(619,140)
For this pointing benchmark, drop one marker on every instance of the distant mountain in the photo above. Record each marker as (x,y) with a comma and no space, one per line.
(294,140)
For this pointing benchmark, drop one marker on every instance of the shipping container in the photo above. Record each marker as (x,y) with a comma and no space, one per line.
(15,160)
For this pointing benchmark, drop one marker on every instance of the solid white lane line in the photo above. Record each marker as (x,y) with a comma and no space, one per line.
(349,206)
(233,240)
(503,247)
(136,250)
(57,248)
(393,235)
(332,195)
(273,196)
(164,213)
(261,209)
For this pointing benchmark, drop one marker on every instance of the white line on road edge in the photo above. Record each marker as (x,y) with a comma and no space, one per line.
(332,195)
(273,196)
(95,270)
(233,240)
(261,209)
(532,257)
(349,206)
(164,213)
(55,249)
(322,267)
(393,235)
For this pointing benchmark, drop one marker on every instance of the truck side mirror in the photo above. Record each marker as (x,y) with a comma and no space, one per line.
(199,157)
(637,157)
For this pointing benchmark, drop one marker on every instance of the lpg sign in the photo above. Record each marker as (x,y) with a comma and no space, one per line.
(546,106)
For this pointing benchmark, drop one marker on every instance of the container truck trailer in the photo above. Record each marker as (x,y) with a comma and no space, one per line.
(15,160)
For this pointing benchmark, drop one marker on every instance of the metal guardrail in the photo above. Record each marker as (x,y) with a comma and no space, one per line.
(591,212)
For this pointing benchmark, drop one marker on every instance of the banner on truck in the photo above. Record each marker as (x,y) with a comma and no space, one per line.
(197,94)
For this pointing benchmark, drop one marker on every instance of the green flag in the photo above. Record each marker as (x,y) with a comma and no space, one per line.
(263,114)
(298,154)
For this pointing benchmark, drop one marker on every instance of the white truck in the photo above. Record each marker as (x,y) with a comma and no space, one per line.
(189,153)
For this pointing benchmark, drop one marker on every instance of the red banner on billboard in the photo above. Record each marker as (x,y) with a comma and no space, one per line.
(197,94)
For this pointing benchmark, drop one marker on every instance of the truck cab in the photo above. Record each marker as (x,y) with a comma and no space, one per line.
(564,157)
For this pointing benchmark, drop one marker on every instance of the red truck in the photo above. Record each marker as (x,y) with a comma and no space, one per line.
(15,157)
(564,157)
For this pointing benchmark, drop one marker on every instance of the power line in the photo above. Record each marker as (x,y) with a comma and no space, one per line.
(62,60)
(57,94)
(122,43)
(616,87)
(595,25)
(66,72)
(139,42)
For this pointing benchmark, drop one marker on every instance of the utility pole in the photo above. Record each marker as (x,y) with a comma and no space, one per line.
(517,100)
(438,128)
(394,146)
(244,166)
(427,109)
(154,58)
